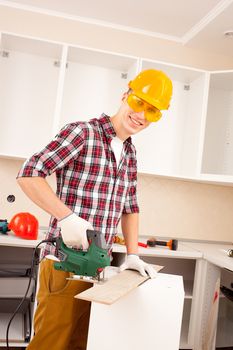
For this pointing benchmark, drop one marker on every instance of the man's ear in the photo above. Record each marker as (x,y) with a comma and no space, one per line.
(124,96)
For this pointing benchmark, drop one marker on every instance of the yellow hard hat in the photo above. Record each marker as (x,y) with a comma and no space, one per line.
(154,87)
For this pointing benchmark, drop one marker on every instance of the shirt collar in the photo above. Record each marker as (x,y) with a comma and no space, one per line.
(108,128)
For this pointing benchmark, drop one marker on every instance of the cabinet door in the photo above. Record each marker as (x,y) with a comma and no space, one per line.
(171,146)
(218,143)
(94,83)
(28,88)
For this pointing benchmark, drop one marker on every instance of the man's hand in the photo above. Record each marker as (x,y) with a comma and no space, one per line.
(74,231)
(133,262)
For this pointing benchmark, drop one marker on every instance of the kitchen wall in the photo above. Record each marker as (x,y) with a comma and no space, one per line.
(8,186)
(169,208)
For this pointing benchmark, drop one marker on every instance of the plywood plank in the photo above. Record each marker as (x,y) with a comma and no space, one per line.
(115,288)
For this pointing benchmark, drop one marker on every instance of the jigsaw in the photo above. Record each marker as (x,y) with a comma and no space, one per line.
(85,265)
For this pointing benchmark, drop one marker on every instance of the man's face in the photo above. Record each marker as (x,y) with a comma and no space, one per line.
(132,121)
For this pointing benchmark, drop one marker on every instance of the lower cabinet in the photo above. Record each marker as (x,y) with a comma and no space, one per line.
(15,271)
(200,278)
(185,268)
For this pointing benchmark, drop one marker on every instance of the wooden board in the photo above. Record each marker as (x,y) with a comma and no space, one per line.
(115,288)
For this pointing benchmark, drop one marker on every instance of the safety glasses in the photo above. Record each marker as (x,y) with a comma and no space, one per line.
(152,114)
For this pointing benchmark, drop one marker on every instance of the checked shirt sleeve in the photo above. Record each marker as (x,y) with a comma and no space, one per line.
(58,153)
(131,203)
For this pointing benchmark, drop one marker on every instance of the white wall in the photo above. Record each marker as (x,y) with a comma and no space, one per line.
(8,185)
(175,208)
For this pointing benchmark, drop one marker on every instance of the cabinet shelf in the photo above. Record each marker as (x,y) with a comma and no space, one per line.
(28,88)
(17,330)
(218,145)
(93,71)
(13,43)
(172,146)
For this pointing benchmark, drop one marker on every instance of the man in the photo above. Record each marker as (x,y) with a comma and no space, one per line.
(95,165)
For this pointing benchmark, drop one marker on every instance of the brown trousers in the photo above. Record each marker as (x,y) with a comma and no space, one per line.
(61,321)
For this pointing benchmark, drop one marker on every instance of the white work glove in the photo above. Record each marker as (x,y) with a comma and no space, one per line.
(133,262)
(74,231)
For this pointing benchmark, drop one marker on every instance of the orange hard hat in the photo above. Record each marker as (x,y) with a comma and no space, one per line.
(24,225)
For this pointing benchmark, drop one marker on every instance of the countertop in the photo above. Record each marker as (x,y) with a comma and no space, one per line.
(183,251)
(11,240)
(216,253)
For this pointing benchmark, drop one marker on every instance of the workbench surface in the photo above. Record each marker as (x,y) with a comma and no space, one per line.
(215,253)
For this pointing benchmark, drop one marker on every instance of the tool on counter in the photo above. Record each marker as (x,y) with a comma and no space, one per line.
(121,241)
(24,225)
(4,226)
(230,253)
(86,265)
(172,244)
(141,244)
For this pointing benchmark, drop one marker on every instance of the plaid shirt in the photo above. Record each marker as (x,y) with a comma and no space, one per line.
(88,180)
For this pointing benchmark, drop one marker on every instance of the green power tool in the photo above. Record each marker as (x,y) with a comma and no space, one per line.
(4,226)
(83,263)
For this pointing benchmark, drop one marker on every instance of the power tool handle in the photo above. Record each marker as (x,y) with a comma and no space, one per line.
(97,237)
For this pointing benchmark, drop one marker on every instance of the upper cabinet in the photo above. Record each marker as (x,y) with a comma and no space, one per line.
(172,145)
(28,88)
(218,138)
(45,85)
(94,83)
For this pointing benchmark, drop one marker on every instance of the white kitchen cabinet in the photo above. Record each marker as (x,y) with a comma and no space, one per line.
(15,264)
(200,265)
(94,83)
(172,145)
(186,263)
(215,265)
(28,92)
(218,138)
(45,85)
(187,269)
(141,319)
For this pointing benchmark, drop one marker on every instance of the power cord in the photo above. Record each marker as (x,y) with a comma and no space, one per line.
(33,264)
